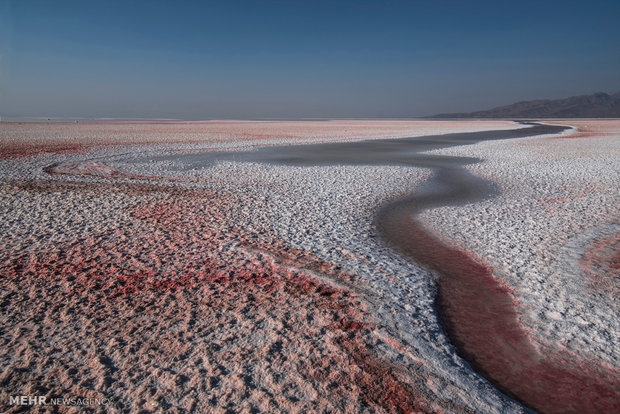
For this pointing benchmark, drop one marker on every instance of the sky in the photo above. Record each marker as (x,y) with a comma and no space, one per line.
(299,59)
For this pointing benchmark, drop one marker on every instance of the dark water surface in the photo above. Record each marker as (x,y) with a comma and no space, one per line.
(477,310)
(400,151)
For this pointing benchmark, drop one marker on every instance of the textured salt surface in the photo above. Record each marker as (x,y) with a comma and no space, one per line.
(326,212)
(197,316)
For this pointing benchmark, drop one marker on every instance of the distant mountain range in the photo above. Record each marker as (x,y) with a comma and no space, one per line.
(598,105)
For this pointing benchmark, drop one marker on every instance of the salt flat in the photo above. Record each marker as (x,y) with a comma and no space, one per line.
(256,286)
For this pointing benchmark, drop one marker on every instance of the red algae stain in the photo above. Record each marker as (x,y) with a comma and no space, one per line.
(479,314)
(182,243)
(582,134)
(296,257)
(378,382)
(588,128)
(554,204)
(600,264)
(28,151)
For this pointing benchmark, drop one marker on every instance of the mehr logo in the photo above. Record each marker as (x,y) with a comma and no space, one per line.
(43,400)
(27,400)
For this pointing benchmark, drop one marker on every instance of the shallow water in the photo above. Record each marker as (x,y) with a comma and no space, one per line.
(399,151)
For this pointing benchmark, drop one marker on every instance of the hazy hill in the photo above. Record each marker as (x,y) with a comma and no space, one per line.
(598,105)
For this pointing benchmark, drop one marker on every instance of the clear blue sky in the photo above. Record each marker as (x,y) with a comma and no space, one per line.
(266,59)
